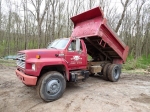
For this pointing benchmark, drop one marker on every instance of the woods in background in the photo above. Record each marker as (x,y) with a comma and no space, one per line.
(28,24)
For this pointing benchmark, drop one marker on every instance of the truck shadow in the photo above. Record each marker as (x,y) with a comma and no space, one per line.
(73,86)
(98,77)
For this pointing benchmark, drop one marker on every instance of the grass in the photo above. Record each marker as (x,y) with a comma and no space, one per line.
(135,71)
(89,58)
(9,63)
(139,63)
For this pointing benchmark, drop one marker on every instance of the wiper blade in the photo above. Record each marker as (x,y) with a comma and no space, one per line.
(53,47)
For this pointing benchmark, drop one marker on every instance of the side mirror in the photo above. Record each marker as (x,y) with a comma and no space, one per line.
(77,44)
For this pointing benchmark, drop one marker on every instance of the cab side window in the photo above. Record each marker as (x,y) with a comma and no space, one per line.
(72,46)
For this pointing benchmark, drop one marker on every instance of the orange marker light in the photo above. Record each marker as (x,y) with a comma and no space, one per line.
(38,56)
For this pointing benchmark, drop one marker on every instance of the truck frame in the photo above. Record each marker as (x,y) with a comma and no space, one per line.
(66,59)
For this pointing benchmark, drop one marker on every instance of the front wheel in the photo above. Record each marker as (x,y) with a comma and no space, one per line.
(51,86)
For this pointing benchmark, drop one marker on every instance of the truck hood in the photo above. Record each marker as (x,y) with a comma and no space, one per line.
(44,53)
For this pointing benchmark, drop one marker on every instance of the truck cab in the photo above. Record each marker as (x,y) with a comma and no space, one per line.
(66,59)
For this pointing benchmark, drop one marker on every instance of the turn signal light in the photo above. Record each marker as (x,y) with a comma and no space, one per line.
(38,56)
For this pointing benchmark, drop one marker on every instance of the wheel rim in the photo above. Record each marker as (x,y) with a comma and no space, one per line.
(116,73)
(53,87)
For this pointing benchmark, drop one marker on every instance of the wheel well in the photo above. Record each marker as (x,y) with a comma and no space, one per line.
(59,68)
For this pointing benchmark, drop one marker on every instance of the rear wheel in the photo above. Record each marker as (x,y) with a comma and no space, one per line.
(114,72)
(51,86)
(105,69)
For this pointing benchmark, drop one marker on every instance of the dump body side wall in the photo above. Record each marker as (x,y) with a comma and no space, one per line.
(92,26)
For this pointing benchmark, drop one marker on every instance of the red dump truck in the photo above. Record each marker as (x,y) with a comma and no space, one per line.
(66,59)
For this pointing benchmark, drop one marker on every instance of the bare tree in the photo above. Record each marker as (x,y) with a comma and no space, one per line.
(0,13)
(54,4)
(138,27)
(39,16)
(26,28)
(125,5)
(25,23)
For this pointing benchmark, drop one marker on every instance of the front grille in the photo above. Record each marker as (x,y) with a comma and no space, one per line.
(21,57)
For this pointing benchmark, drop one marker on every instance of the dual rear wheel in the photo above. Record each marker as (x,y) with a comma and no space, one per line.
(111,72)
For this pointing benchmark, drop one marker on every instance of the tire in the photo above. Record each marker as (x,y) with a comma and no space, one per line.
(104,71)
(51,86)
(114,72)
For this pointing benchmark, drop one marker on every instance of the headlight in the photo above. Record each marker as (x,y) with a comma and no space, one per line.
(33,66)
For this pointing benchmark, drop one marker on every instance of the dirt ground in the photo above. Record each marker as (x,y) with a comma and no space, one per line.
(130,94)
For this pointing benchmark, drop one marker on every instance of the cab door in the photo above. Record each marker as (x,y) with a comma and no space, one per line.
(76,59)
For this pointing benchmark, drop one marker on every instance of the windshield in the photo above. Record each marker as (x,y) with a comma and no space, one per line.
(58,44)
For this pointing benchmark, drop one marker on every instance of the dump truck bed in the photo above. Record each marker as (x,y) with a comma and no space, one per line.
(99,38)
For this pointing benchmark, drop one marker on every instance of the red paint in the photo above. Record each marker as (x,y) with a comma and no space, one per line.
(90,24)
(26,79)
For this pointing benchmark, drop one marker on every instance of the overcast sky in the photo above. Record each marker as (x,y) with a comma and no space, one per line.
(5,5)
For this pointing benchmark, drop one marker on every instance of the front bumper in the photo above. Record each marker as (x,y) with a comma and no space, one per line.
(26,79)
